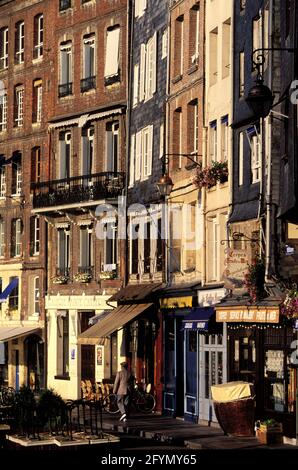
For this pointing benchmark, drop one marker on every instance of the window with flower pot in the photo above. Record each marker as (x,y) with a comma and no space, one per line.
(224,138)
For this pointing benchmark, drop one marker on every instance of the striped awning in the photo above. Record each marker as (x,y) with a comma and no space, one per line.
(118,317)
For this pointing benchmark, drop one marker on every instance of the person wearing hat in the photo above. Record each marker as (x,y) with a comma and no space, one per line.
(121,388)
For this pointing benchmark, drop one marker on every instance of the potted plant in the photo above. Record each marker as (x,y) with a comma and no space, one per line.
(254,280)
(59,279)
(269,432)
(210,175)
(108,275)
(289,307)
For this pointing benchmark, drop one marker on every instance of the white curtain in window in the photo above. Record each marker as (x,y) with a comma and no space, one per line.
(112,52)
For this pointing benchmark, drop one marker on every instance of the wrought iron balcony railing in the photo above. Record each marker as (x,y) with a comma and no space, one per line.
(88,83)
(65,89)
(77,189)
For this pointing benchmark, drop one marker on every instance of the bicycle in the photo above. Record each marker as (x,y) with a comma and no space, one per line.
(142,401)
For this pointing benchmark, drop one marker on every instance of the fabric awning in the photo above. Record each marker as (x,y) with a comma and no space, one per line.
(8,333)
(198,319)
(118,317)
(8,290)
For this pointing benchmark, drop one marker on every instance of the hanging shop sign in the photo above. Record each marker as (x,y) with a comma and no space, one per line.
(176,302)
(248,315)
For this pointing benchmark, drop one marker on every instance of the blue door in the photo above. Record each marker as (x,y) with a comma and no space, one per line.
(17,366)
(191,375)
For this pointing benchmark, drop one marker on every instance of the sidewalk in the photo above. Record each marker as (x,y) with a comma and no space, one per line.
(181,433)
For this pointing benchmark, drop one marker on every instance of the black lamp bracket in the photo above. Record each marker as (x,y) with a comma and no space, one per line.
(259,57)
(238,236)
(190,156)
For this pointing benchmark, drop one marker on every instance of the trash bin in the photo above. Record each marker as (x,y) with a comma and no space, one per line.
(234,405)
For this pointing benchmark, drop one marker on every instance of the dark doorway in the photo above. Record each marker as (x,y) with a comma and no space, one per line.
(34,346)
(87,351)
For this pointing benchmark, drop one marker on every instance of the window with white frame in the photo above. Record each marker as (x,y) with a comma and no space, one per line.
(213,141)
(111,71)
(37,101)
(17,176)
(240,159)
(241,74)
(112,146)
(87,151)
(64,154)
(214,250)
(88,81)
(132,160)
(65,72)
(143,156)
(148,69)
(135,85)
(19,42)
(253,137)
(164,44)
(2,180)
(19,106)
(34,235)
(63,251)
(224,138)
(3,48)
(140,7)
(194,34)
(110,246)
(38,36)
(2,238)
(3,112)
(36,296)
(16,235)
(85,249)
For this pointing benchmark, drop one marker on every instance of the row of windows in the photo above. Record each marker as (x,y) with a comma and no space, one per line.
(17,173)
(19,106)
(19,42)
(16,234)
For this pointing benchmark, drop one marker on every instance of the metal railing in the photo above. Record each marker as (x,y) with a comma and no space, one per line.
(88,83)
(77,189)
(65,89)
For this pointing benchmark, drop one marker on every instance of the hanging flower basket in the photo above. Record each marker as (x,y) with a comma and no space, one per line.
(59,279)
(290,306)
(82,277)
(254,280)
(209,176)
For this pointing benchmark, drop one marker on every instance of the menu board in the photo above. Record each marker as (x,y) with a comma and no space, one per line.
(275,363)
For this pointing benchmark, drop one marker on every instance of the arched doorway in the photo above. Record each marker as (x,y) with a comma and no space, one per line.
(34,347)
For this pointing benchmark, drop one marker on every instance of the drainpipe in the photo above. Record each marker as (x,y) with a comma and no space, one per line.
(269,231)
(167,133)
(203,192)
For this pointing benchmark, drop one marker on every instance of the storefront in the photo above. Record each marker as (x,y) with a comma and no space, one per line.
(260,351)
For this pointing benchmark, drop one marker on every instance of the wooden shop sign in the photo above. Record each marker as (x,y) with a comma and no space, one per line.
(247,314)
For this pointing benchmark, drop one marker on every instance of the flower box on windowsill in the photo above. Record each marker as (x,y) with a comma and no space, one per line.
(83,277)
(108,275)
(60,280)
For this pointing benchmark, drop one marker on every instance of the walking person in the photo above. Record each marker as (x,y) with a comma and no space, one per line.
(121,389)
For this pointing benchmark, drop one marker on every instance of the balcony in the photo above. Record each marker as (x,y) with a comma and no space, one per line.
(86,190)
(88,84)
(65,90)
